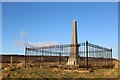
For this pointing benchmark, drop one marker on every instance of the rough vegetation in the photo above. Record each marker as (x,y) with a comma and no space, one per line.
(18,71)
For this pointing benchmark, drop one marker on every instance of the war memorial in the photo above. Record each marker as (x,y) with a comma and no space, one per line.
(83,55)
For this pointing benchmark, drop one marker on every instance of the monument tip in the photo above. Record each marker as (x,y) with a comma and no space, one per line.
(74,20)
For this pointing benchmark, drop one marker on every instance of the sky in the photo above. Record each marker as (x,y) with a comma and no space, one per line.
(0,27)
(60,0)
(26,23)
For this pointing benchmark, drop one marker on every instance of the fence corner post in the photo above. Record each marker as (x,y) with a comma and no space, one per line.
(87,54)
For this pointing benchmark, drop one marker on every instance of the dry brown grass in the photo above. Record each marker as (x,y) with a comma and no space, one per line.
(19,72)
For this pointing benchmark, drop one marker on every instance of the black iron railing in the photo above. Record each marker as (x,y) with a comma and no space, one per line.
(90,55)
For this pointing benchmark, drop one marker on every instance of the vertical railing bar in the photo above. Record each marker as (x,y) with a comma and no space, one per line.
(87,53)
(25,55)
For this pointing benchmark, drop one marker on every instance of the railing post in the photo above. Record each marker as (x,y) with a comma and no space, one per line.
(111,53)
(61,48)
(11,60)
(42,57)
(87,53)
(25,55)
(84,55)
(111,57)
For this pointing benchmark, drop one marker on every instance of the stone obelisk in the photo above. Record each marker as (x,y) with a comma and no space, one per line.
(74,56)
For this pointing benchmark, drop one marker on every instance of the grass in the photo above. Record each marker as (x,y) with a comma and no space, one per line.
(58,73)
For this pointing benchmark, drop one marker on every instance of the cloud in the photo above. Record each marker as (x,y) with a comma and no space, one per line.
(31,44)
(42,44)
(39,44)
(23,33)
(23,44)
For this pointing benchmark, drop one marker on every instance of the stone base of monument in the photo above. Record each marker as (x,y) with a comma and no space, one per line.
(73,62)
